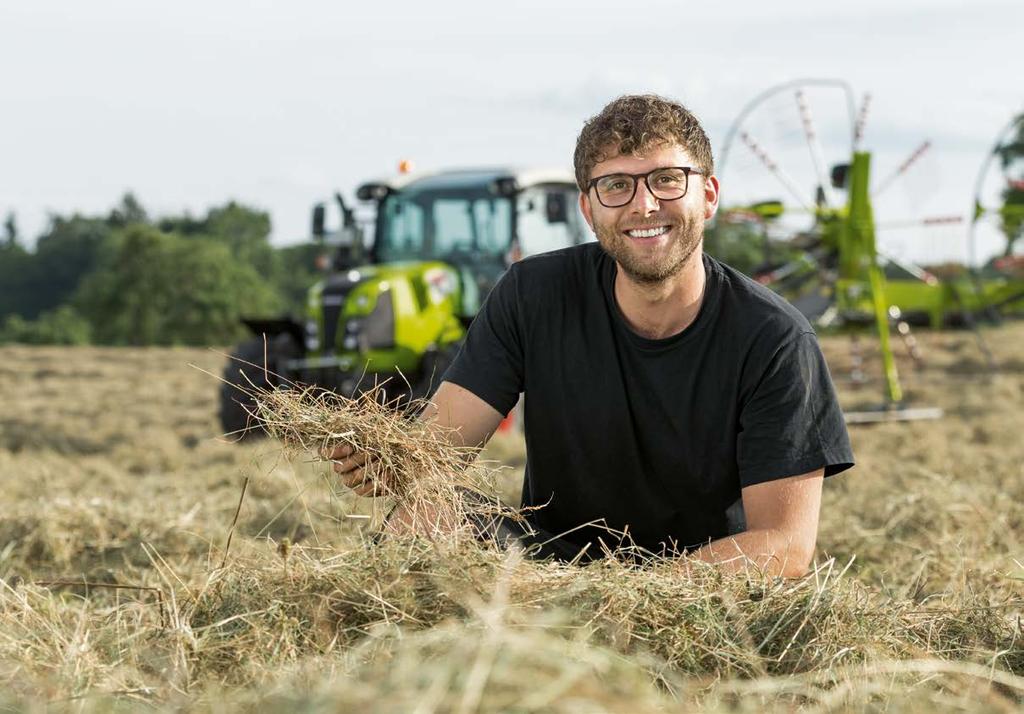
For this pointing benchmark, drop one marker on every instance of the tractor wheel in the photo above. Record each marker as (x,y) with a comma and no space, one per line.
(253,366)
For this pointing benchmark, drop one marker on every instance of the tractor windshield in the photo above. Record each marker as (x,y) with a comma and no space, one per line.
(451,225)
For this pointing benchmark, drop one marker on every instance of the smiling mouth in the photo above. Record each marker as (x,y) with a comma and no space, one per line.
(653,232)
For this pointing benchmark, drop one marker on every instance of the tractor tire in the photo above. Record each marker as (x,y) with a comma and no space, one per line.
(244,373)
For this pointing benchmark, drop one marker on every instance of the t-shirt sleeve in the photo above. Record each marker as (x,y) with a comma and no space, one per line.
(490,361)
(791,423)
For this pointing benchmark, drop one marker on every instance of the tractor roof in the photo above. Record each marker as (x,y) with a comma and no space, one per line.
(472,178)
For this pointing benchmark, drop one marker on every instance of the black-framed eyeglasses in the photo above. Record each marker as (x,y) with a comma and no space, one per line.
(668,183)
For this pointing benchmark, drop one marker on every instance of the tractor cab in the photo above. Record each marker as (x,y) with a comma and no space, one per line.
(478,221)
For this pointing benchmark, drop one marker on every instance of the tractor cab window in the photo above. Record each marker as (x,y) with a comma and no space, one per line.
(402,237)
(548,219)
(449,226)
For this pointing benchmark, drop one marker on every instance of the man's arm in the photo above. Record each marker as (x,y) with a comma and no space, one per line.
(464,418)
(469,419)
(782,528)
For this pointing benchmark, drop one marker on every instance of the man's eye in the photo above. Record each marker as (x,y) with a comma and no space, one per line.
(667,180)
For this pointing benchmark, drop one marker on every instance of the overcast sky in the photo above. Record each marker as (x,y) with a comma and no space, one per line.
(277,104)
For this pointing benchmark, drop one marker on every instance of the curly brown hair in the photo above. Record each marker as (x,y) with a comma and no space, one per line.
(634,123)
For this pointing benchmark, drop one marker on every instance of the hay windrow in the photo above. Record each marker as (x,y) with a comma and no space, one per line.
(694,622)
(384,623)
(920,609)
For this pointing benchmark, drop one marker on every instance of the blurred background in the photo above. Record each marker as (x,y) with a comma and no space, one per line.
(229,120)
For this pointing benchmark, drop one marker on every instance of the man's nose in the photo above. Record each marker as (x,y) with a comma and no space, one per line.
(644,202)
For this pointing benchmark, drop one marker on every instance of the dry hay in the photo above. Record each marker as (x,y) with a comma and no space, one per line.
(677,609)
(915,604)
(694,622)
(418,466)
(411,620)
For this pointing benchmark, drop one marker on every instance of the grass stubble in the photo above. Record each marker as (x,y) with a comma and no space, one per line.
(119,593)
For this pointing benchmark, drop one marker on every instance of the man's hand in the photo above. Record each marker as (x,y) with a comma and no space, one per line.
(464,418)
(357,470)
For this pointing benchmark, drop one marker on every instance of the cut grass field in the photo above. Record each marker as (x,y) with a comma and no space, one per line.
(117,592)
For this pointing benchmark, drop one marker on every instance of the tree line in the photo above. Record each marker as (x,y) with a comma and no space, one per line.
(126,278)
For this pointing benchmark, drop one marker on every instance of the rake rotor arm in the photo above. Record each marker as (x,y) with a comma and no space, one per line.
(802,267)
(902,168)
(775,169)
(918,222)
(862,119)
(753,104)
(917,271)
(814,144)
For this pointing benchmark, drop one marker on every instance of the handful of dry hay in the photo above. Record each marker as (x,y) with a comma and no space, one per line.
(415,462)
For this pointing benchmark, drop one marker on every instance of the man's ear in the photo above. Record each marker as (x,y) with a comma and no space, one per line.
(711,194)
(585,210)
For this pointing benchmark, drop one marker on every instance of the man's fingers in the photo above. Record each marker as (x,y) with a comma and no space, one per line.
(344,465)
(337,451)
(356,476)
(371,485)
(368,488)
(352,479)
(358,470)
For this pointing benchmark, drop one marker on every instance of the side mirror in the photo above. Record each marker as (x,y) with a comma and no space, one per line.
(318,220)
(506,186)
(556,207)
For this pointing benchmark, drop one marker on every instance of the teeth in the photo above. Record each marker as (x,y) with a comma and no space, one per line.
(648,232)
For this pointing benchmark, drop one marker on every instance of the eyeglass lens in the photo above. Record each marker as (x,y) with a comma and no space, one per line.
(618,189)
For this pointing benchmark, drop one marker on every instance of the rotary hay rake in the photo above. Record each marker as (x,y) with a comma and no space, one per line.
(825,256)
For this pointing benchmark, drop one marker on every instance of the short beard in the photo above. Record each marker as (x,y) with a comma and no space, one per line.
(690,235)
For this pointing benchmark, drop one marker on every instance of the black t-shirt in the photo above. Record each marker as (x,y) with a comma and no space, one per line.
(650,437)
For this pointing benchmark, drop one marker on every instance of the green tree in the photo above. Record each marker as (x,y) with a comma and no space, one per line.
(15,265)
(129,211)
(184,225)
(69,250)
(741,245)
(243,230)
(294,272)
(1011,216)
(1011,213)
(185,280)
(160,288)
(10,230)
(61,326)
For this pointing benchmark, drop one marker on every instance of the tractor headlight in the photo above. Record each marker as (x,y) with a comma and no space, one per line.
(312,336)
(350,341)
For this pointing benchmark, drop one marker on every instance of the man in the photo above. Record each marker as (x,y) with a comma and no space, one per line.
(662,388)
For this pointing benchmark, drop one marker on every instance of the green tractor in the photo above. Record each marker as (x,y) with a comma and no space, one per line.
(391,312)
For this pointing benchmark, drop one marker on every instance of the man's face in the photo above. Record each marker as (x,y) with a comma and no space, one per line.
(651,239)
